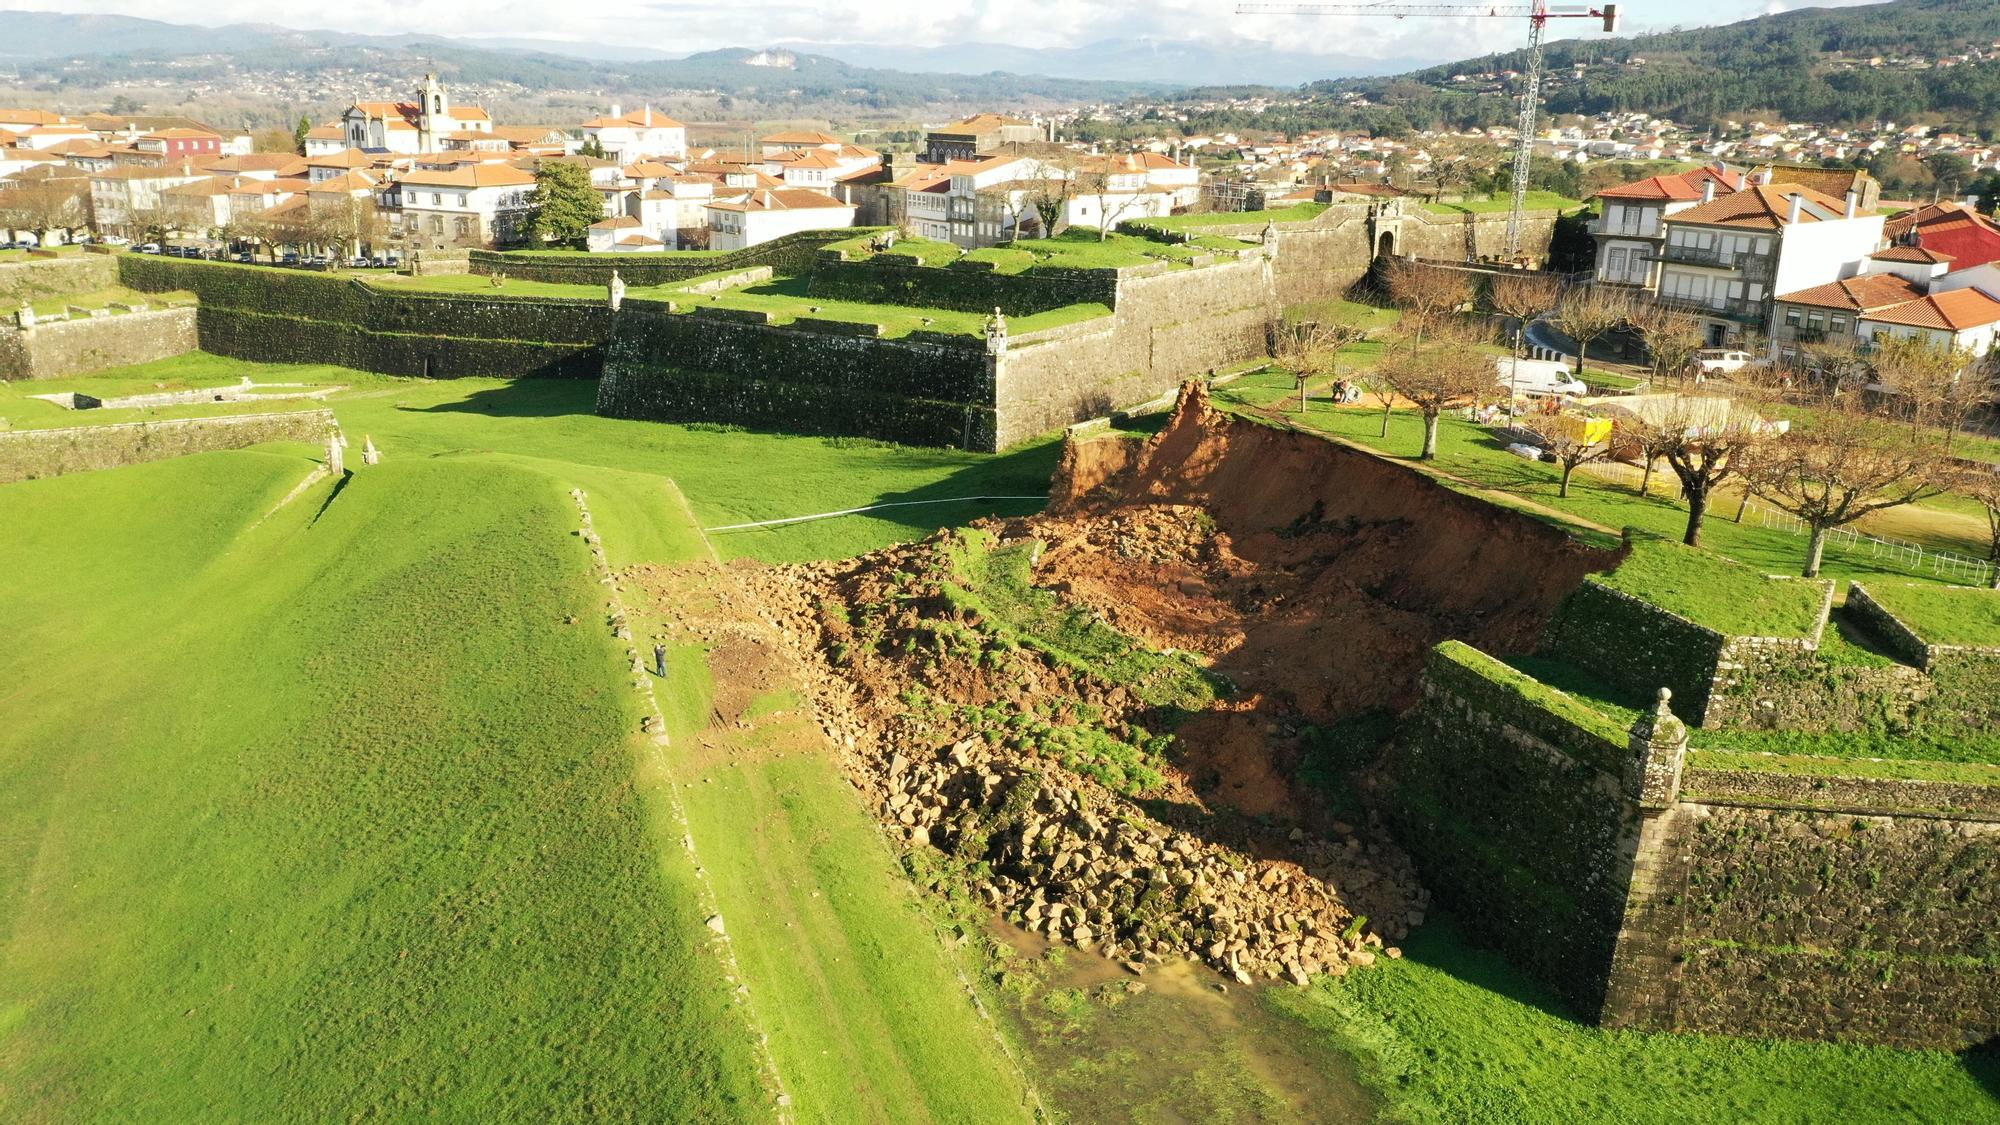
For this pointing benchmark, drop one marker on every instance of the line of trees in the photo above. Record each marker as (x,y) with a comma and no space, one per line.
(1825,451)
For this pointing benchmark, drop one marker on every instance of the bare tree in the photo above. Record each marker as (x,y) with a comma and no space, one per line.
(1920,372)
(1448,372)
(1588,312)
(1672,338)
(1704,440)
(1840,465)
(1983,484)
(1522,297)
(1566,438)
(1310,349)
(47,205)
(1832,362)
(1428,295)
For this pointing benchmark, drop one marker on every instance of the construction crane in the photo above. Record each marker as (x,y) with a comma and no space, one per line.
(1538,15)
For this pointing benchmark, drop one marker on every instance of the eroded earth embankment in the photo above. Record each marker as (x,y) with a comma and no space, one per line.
(1101,717)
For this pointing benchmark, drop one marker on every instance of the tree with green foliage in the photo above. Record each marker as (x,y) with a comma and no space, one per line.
(299,132)
(1949,171)
(562,206)
(593,148)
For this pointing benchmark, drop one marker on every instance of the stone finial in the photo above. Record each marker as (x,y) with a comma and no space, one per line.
(26,317)
(615,291)
(1659,750)
(369,454)
(996,331)
(1271,239)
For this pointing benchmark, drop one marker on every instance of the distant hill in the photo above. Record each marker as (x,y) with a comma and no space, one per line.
(1125,60)
(84,51)
(1814,64)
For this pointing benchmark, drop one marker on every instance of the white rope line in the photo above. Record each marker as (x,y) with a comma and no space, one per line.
(869,508)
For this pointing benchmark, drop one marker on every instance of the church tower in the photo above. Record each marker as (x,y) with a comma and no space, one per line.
(434,120)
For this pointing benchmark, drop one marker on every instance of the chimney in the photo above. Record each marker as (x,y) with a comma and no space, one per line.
(1708,191)
(1742,181)
(649,115)
(1853,202)
(1764,174)
(1798,205)
(617,110)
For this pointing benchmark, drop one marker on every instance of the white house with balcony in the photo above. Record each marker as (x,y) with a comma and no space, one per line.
(1631,223)
(1726,259)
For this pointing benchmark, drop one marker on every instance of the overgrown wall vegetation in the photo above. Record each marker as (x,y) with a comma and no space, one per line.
(295,316)
(922,389)
(1636,645)
(967,286)
(35,278)
(791,254)
(1793,904)
(33,454)
(1510,799)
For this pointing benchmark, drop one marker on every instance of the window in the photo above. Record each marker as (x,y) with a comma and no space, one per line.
(1837,324)
(1615,262)
(1815,322)
(1791,318)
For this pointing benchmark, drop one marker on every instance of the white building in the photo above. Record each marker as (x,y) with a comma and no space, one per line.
(766,214)
(476,205)
(419,125)
(1726,259)
(630,137)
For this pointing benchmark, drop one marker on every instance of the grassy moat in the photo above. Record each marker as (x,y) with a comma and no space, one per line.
(340,801)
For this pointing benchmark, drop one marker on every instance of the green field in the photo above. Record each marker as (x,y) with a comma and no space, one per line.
(340,808)
(1724,595)
(1452,1034)
(1494,204)
(327,811)
(1943,615)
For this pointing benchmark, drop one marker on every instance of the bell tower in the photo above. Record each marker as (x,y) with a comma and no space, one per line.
(434,118)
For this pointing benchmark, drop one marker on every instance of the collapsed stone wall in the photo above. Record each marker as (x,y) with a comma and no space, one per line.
(33,454)
(1738,902)
(59,349)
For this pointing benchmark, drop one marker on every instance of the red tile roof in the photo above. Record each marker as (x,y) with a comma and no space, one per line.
(1761,205)
(1954,311)
(1910,254)
(1869,291)
(1679,188)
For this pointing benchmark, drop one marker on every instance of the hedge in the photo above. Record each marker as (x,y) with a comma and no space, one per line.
(671,395)
(792,254)
(294,316)
(890,280)
(848,362)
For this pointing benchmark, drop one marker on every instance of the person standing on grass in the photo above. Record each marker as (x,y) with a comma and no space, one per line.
(660,661)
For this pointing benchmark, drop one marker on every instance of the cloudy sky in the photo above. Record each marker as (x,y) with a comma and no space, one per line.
(679,26)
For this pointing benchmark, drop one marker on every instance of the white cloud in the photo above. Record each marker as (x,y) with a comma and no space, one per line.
(680,26)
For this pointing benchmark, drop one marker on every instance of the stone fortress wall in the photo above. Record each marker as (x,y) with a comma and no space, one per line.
(822,376)
(1663,895)
(32,454)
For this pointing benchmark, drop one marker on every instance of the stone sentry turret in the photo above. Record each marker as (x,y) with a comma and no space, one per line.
(1659,743)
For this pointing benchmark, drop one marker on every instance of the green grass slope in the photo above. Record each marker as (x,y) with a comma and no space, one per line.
(332,815)
(1451,1034)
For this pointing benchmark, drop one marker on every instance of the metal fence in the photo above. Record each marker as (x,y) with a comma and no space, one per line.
(1914,558)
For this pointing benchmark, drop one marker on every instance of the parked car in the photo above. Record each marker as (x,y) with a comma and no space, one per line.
(1721,361)
(115,240)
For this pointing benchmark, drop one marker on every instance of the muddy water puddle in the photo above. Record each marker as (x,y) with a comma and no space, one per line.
(1168,1046)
